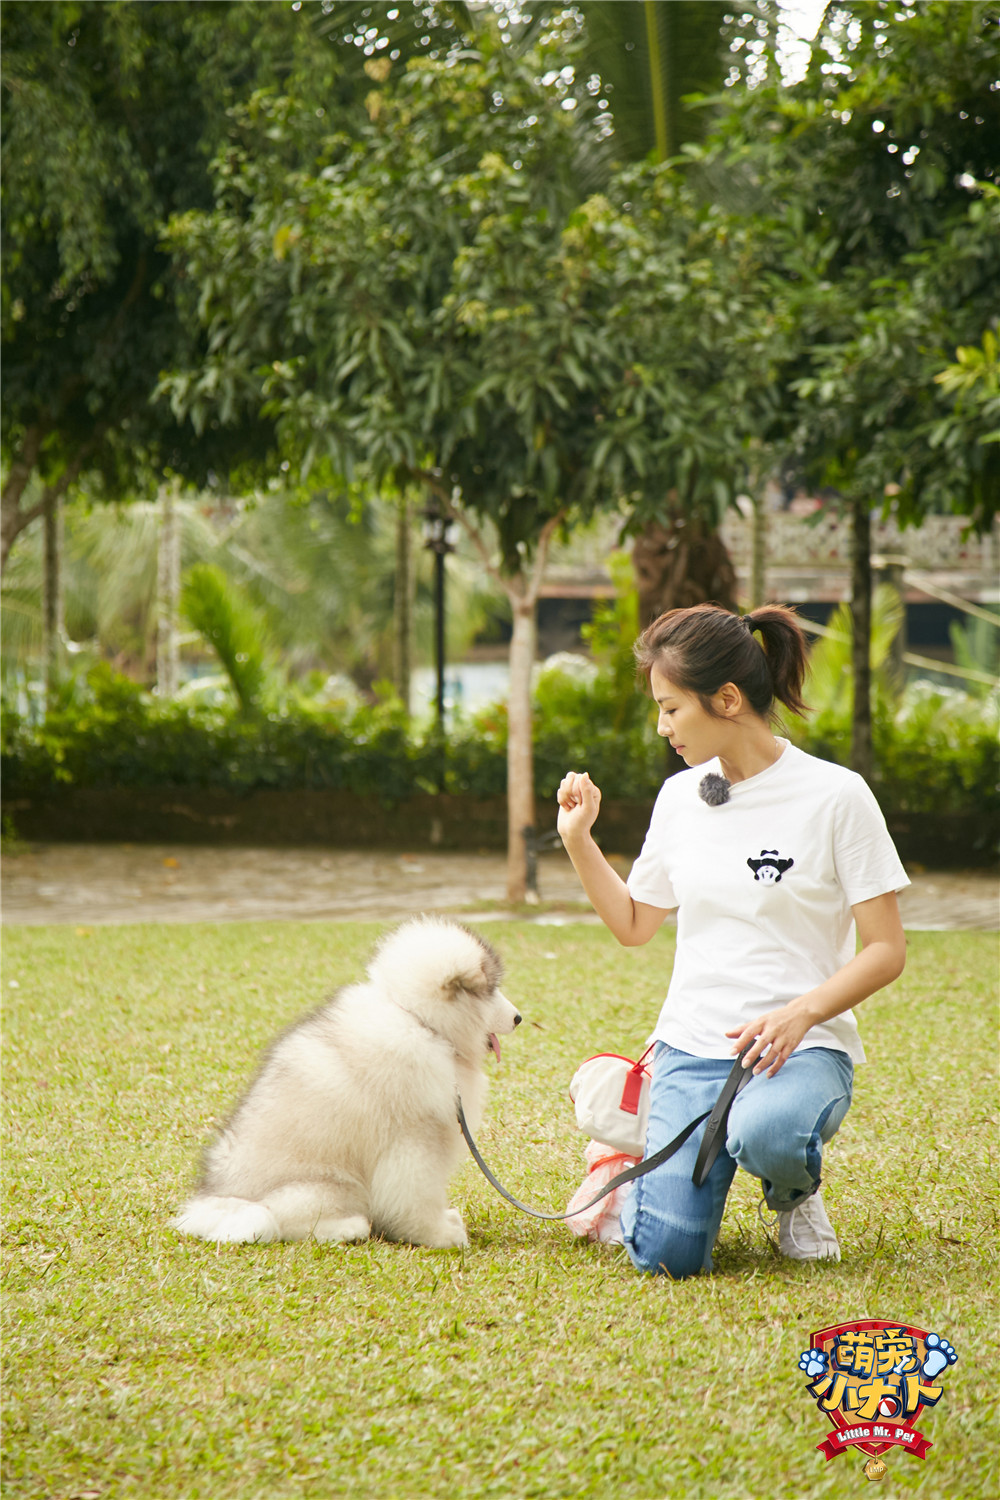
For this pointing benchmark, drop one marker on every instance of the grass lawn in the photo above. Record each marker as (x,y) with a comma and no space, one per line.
(142,1364)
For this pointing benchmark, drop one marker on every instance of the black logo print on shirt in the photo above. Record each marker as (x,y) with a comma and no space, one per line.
(770,867)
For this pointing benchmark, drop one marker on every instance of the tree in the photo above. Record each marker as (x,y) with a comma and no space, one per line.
(327,300)
(430,305)
(968,431)
(651,61)
(654,57)
(110,111)
(887,253)
(318,572)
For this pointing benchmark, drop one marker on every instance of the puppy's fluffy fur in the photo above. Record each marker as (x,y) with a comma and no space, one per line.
(349,1127)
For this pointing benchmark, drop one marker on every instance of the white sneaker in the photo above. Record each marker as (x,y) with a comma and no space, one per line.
(805,1232)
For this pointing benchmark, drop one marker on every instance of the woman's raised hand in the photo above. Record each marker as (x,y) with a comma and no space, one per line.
(579,803)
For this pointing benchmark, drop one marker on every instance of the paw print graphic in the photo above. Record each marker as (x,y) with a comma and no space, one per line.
(940,1354)
(813,1362)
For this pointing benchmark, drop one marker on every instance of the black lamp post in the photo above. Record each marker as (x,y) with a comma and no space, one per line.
(438,538)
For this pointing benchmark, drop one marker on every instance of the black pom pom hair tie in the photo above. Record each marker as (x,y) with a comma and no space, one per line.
(714,789)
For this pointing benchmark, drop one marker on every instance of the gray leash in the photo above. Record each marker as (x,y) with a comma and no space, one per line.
(711,1145)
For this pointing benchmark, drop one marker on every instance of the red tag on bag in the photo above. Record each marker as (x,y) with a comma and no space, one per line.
(632,1092)
(611,1096)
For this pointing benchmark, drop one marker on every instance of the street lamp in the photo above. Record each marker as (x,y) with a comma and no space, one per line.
(439,538)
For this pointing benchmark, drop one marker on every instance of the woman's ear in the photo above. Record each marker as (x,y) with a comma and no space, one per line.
(729,700)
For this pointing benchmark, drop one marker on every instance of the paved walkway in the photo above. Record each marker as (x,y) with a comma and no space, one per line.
(94,884)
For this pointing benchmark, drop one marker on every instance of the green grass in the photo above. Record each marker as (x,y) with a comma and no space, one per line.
(142,1364)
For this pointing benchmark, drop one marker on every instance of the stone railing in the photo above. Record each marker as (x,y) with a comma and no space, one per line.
(824,540)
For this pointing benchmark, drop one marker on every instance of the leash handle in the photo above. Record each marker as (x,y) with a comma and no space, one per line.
(715,1130)
(710,1146)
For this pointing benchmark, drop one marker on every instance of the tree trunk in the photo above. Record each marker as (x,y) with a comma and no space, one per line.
(13,519)
(758,561)
(861,614)
(403,605)
(168,588)
(679,564)
(52,599)
(522,590)
(520,766)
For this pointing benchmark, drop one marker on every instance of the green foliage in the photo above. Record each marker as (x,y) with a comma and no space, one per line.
(108,578)
(976,370)
(977,648)
(829,685)
(121,736)
(11,842)
(611,634)
(936,750)
(874,183)
(231,627)
(107,111)
(656,60)
(111,114)
(435,304)
(319,570)
(601,720)
(973,381)
(360,302)
(647,339)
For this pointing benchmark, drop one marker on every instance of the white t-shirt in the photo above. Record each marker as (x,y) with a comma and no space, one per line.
(763,886)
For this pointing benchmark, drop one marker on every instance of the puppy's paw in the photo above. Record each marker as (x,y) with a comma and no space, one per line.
(451,1233)
(343,1231)
(455,1219)
(227,1221)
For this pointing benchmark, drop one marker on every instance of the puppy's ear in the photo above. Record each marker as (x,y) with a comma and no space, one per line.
(467,981)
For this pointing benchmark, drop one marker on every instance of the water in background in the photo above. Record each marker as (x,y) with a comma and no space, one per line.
(468,686)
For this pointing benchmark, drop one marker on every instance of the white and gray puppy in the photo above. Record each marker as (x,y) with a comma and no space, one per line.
(349,1127)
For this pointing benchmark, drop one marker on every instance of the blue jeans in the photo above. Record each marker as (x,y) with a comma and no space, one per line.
(776,1130)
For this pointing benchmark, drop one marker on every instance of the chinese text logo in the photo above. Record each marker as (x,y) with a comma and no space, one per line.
(871,1378)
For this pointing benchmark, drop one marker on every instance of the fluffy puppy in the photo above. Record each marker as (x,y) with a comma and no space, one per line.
(349,1127)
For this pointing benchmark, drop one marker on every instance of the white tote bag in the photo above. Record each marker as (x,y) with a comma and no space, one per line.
(611,1098)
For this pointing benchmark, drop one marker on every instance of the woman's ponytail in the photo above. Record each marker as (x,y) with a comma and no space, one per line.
(784,643)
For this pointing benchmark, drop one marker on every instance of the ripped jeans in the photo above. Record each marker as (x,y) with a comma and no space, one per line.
(776,1130)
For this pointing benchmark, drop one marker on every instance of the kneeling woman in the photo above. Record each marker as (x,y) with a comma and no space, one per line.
(774,860)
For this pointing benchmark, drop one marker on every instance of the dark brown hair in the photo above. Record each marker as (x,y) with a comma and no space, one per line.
(706,646)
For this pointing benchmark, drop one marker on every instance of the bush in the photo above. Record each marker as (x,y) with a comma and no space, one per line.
(118,736)
(936,750)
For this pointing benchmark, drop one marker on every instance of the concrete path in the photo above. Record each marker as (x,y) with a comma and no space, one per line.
(95,884)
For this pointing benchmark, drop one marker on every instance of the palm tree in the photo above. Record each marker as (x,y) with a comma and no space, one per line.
(648,57)
(653,55)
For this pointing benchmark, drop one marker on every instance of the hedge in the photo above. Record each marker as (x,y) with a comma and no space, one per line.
(936,752)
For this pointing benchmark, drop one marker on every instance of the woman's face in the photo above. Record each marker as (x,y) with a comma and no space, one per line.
(692,731)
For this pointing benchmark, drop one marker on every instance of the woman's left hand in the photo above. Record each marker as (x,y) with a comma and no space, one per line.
(775,1037)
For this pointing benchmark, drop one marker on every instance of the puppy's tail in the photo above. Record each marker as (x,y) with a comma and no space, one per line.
(228,1221)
